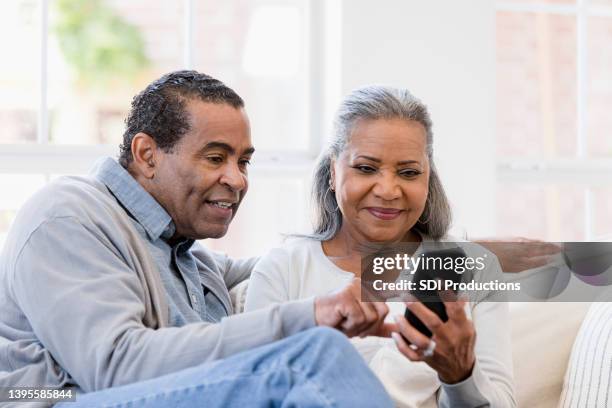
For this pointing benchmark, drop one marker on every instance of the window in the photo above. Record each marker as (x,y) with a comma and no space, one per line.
(66,87)
(554,129)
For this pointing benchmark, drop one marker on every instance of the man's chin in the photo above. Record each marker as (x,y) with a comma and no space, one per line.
(212,233)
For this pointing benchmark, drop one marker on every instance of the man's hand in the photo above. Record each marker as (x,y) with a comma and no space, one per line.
(518,254)
(344,311)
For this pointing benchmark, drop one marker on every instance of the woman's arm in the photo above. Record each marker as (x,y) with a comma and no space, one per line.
(491,380)
(268,283)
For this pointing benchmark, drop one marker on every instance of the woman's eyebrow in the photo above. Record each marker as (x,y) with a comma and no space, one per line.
(400,163)
(369,158)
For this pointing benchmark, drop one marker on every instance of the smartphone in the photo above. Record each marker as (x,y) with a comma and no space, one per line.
(433,270)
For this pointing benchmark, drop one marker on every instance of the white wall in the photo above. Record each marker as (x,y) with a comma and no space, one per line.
(444,52)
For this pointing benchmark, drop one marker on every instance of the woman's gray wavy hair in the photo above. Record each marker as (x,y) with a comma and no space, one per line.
(371,103)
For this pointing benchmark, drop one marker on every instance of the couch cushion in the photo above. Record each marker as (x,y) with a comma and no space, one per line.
(542,337)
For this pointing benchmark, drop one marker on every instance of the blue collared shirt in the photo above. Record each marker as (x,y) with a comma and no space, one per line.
(189,297)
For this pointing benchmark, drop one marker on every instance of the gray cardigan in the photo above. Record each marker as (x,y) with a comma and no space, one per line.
(81,301)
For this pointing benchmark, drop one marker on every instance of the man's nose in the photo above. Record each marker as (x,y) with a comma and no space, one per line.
(234,178)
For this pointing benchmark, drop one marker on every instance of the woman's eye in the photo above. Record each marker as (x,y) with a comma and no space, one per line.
(365,169)
(409,173)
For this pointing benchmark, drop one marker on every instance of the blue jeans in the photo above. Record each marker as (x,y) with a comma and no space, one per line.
(315,368)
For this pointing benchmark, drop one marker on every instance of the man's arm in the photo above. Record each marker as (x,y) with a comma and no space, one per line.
(234,270)
(86,306)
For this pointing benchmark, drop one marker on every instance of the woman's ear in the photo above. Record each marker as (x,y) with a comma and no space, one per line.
(332,174)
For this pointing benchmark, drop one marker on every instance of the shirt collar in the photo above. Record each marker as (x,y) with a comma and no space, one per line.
(135,199)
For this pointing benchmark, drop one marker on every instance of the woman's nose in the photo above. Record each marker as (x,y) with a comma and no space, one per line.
(387,187)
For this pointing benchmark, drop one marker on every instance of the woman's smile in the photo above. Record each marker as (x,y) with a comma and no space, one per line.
(386,214)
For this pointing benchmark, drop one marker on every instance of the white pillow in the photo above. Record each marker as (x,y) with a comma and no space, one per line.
(588,380)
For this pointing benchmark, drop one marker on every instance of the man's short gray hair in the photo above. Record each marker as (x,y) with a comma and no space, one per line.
(371,103)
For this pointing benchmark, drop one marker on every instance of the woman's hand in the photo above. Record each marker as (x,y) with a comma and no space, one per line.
(453,341)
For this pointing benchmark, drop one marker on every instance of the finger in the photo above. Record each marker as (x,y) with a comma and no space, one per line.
(354,317)
(455,310)
(404,348)
(355,287)
(411,334)
(538,249)
(386,329)
(535,262)
(371,314)
(429,318)
(381,309)
(447,295)
(525,240)
(526,263)
(375,321)
(546,248)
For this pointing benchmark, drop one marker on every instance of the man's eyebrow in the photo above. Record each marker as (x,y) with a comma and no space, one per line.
(224,146)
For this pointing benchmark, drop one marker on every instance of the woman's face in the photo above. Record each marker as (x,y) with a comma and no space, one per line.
(381,179)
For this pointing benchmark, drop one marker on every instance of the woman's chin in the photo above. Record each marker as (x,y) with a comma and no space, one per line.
(379,236)
(385,238)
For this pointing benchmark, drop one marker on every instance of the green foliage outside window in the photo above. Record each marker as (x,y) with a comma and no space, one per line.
(100,45)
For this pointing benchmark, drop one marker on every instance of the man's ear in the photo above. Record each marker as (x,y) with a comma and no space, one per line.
(144,155)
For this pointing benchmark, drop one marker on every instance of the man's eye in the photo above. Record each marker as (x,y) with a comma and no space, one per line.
(245,162)
(215,159)
(365,169)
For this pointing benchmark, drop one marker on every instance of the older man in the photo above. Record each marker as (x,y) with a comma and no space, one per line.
(103,287)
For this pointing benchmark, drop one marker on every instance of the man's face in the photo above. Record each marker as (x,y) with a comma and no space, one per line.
(203,180)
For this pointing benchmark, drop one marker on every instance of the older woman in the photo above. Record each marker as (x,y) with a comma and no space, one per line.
(377,183)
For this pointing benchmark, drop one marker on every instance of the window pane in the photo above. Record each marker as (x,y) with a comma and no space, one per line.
(101,53)
(258,48)
(536,92)
(599,104)
(16,188)
(601,198)
(273,206)
(19,70)
(551,212)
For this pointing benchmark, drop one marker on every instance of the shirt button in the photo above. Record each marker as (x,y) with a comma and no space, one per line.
(194,298)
